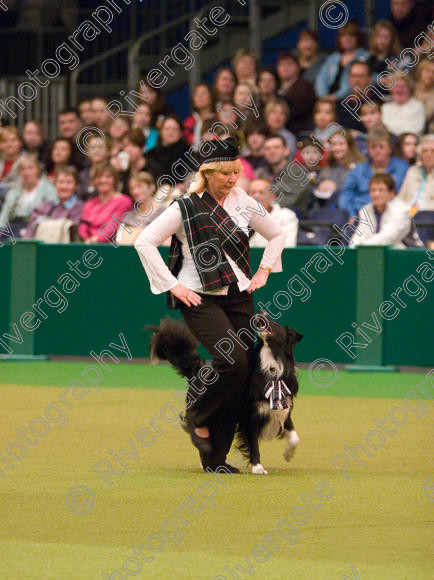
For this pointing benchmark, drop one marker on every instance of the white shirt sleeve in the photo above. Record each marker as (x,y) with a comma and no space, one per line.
(164,226)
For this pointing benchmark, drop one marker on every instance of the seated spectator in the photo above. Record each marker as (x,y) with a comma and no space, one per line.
(34,142)
(86,112)
(117,130)
(355,193)
(160,108)
(390,221)
(370,117)
(224,86)
(10,156)
(244,97)
(29,192)
(268,83)
(68,206)
(290,192)
(60,154)
(408,21)
(286,218)
(146,209)
(332,80)
(404,114)
(417,189)
(383,43)
(309,58)
(203,106)
(297,91)
(424,91)
(101,118)
(343,157)
(100,211)
(133,145)
(359,78)
(245,68)
(69,126)
(99,152)
(324,113)
(276,116)
(171,145)
(256,133)
(143,120)
(406,147)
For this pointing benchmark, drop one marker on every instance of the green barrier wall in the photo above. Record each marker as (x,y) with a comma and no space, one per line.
(325,298)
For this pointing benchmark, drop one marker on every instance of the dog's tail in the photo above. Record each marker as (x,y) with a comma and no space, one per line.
(172,341)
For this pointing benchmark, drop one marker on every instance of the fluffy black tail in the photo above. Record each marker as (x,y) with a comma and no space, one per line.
(172,341)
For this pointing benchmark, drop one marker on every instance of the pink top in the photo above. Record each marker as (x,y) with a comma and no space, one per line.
(96,215)
(247,169)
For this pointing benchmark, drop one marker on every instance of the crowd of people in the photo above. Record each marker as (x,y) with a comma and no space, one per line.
(304,144)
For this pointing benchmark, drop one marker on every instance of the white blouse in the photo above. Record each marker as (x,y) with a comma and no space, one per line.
(242,208)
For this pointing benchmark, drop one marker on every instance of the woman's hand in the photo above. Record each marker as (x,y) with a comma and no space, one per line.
(188,297)
(91,240)
(258,280)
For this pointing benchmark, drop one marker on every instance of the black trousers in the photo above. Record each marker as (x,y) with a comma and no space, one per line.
(219,406)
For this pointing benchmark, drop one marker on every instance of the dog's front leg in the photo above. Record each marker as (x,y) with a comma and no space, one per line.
(255,459)
(292,439)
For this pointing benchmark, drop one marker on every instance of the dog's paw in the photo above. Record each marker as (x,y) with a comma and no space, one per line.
(291,446)
(258,470)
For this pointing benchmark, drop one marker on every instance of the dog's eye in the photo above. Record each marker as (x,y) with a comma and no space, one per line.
(272,369)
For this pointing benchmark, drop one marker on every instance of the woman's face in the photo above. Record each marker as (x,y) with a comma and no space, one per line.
(242,94)
(409,147)
(340,149)
(134,151)
(427,76)
(307,47)
(257,188)
(276,118)
(227,114)
(170,132)
(118,129)
(66,186)
(370,117)
(324,116)
(401,92)
(105,183)
(32,135)
(256,142)
(348,42)
(142,117)
(428,155)
(380,152)
(225,83)
(141,190)
(98,152)
(383,38)
(287,69)
(61,152)
(220,183)
(11,145)
(29,173)
(202,97)
(245,67)
(267,83)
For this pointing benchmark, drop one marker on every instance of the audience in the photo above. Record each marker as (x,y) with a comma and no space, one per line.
(60,154)
(10,156)
(68,206)
(33,140)
(107,207)
(203,105)
(408,21)
(101,118)
(324,113)
(142,120)
(417,189)
(383,43)
(245,67)
(256,132)
(100,153)
(355,192)
(406,147)
(171,147)
(69,126)
(424,91)
(385,220)
(133,144)
(309,58)
(268,84)
(224,86)
(404,113)
(31,190)
(86,112)
(260,190)
(276,115)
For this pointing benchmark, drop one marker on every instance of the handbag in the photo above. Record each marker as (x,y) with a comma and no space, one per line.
(56,231)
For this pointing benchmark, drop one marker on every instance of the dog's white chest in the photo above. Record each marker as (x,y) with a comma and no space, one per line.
(269,364)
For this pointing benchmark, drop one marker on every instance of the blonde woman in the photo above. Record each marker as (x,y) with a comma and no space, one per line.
(210,279)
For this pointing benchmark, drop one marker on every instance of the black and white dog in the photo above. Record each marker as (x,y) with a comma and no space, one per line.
(270,396)
(272,384)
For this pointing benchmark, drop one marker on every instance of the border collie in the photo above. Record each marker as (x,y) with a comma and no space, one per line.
(272,387)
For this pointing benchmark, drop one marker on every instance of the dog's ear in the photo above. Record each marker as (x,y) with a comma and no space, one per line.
(292,336)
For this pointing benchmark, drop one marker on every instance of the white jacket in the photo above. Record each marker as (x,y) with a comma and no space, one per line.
(395,225)
(287,220)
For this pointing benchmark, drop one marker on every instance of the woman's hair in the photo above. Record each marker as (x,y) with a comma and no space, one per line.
(30,158)
(385,178)
(310,34)
(164,121)
(143,178)
(394,46)
(277,102)
(325,101)
(352,28)
(36,122)
(424,64)
(8,130)
(270,71)
(423,141)
(378,134)
(136,137)
(217,75)
(397,151)
(242,52)
(406,79)
(353,155)
(374,105)
(61,140)
(200,181)
(106,168)
(211,96)
(68,170)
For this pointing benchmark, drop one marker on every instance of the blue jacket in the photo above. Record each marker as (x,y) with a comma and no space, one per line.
(355,193)
(329,71)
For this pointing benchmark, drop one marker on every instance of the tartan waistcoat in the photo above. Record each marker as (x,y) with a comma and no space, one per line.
(211,233)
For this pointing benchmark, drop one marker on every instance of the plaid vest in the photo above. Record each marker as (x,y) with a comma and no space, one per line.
(211,233)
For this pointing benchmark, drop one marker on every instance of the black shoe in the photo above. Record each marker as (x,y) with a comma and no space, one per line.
(215,468)
(202,443)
